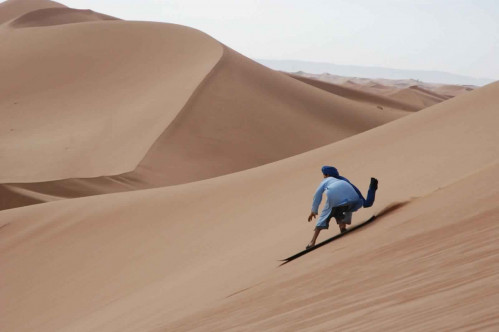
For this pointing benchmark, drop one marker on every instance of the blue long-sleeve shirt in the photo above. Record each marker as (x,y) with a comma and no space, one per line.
(338,192)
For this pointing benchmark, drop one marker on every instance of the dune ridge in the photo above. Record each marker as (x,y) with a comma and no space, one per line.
(357,94)
(95,107)
(414,94)
(272,115)
(57,16)
(418,96)
(11,9)
(237,115)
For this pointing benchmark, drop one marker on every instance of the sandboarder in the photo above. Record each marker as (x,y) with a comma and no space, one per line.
(342,199)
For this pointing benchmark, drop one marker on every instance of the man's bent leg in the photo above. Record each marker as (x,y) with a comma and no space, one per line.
(371,194)
(344,219)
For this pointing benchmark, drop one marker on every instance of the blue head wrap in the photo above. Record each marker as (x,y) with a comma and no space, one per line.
(330,171)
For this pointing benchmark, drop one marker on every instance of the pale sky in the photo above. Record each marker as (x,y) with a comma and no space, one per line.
(457,36)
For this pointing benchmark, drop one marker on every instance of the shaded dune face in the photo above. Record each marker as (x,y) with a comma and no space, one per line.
(57,16)
(428,92)
(86,100)
(245,115)
(239,115)
(11,9)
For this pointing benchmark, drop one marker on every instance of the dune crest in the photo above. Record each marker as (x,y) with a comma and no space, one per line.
(11,9)
(238,115)
(244,116)
(418,97)
(57,16)
(412,94)
(359,95)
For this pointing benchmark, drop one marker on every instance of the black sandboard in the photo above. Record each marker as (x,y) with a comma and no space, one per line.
(306,251)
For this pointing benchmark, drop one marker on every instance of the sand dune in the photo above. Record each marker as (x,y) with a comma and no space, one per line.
(182,108)
(12,9)
(419,268)
(163,257)
(412,93)
(357,94)
(205,163)
(418,97)
(244,116)
(57,16)
(453,90)
(94,103)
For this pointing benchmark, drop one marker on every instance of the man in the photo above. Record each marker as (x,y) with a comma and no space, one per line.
(342,199)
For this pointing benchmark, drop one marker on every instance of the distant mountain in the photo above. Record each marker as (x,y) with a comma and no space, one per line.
(373,72)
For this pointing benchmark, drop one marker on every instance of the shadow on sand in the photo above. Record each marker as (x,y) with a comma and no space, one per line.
(385,211)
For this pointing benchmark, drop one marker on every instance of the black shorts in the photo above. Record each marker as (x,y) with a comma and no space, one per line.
(338,213)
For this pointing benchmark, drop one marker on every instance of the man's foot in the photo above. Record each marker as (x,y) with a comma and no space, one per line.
(343,230)
(309,246)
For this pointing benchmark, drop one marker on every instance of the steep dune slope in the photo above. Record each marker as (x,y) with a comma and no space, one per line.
(142,260)
(246,115)
(431,265)
(240,115)
(87,99)
(11,9)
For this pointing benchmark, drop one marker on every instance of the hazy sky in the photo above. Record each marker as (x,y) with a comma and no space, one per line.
(458,36)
